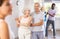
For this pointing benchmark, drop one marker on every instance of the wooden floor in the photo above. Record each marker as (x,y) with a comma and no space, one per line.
(50,36)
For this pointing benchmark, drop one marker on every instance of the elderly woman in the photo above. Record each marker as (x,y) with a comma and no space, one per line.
(24,23)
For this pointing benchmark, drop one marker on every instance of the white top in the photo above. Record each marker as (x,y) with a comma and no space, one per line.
(37,18)
(50,11)
(25,22)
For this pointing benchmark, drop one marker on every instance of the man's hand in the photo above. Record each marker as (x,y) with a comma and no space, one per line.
(51,14)
(38,24)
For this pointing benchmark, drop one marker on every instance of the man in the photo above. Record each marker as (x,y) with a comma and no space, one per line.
(51,18)
(37,31)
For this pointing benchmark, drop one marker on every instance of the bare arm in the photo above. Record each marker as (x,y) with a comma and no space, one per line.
(30,20)
(4,32)
(38,24)
(17,21)
(51,14)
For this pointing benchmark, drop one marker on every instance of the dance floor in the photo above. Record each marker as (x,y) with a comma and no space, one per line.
(50,36)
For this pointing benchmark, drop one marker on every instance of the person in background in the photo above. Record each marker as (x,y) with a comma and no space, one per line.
(5,9)
(51,19)
(37,24)
(24,23)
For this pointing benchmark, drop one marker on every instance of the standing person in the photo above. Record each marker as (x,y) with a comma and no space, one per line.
(5,9)
(24,23)
(51,19)
(37,24)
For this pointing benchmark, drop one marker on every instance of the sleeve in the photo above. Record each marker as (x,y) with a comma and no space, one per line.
(42,16)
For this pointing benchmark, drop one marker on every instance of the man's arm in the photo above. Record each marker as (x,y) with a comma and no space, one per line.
(51,14)
(38,24)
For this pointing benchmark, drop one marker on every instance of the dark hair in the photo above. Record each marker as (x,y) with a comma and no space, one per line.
(53,4)
(1,2)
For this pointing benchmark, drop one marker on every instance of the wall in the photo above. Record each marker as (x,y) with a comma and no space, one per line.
(11,20)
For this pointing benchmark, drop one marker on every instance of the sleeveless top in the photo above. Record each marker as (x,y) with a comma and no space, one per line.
(25,22)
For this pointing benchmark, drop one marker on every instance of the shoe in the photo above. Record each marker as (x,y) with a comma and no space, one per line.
(46,37)
(54,37)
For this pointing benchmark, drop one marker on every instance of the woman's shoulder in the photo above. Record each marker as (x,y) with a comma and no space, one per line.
(3,24)
(2,21)
(4,29)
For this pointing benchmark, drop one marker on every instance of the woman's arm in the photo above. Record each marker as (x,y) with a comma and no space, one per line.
(17,21)
(31,21)
(4,31)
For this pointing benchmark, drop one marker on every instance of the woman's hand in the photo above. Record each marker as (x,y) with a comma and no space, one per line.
(17,21)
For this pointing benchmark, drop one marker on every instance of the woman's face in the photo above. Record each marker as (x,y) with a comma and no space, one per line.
(6,8)
(27,12)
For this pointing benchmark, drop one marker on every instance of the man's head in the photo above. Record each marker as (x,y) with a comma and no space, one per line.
(37,7)
(53,6)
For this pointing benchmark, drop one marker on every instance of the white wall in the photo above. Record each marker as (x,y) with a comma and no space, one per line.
(11,20)
(57,23)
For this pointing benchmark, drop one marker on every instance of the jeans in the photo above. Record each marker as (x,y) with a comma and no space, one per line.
(37,35)
(47,25)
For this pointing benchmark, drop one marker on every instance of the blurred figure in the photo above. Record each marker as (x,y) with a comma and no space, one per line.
(51,19)
(37,24)
(24,23)
(44,12)
(5,9)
